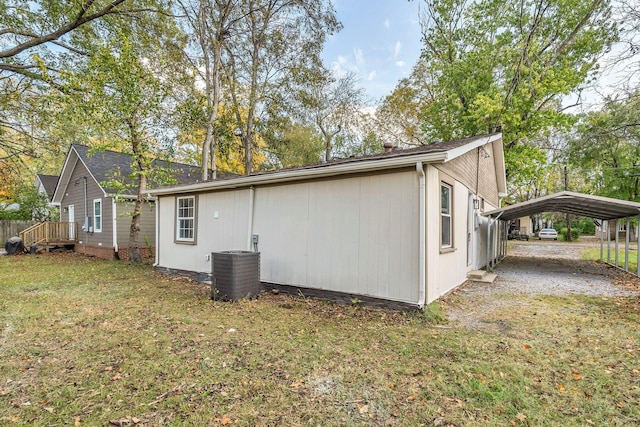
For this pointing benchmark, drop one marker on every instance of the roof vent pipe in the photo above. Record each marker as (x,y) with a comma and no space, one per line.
(388,147)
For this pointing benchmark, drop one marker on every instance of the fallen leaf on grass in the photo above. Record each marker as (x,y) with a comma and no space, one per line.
(588,421)
(76,422)
(297,384)
(521,417)
(224,420)
(526,346)
(363,409)
(560,387)
(49,409)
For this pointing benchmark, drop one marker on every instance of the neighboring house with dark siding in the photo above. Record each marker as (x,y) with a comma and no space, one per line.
(46,185)
(96,191)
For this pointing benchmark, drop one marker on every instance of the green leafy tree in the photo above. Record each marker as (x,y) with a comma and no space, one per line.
(275,46)
(209,22)
(31,205)
(400,115)
(41,43)
(122,100)
(505,66)
(606,148)
(292,144)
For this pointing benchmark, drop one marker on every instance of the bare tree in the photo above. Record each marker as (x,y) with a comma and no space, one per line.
(333,105)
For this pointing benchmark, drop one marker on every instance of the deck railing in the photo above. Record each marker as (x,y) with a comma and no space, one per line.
(50,233)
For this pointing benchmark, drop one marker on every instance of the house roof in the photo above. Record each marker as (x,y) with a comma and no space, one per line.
(49,183)
(440,152)
(597,207)
(109,166)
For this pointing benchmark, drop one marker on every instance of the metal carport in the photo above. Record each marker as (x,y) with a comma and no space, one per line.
(604,209)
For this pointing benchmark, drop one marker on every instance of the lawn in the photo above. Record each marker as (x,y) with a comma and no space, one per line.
(594,255)
(90,342)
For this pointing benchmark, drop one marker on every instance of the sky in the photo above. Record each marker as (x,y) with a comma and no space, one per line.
(380,42)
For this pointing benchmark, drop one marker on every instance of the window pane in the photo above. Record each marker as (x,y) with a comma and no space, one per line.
(185,221)
(445,199)
(97,215)
(446,230)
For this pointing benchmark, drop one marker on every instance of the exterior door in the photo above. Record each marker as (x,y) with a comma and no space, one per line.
(72,219)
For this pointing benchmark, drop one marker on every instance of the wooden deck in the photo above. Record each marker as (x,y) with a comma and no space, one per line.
(49,234)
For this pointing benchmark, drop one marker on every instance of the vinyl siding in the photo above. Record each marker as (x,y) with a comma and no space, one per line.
(222,222)
(147,234)
(465,170)
(356,234)
(74,195)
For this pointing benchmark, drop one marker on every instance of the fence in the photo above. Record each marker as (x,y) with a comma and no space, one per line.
(10,228)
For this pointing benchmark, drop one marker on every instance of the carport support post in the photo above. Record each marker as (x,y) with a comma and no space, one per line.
(601,240)
(608,242)
(638,248)
(626,246)
(617,242)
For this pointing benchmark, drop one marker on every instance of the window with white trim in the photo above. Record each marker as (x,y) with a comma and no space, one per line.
(186,219)
(446,225)
(97,216)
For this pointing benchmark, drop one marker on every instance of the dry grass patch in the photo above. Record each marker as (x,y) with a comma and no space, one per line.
(89,342)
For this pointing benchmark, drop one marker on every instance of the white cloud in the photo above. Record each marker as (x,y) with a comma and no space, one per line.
(401,63)
(343,65)
(371,76)
(387,24)
(359,55)
(396,49)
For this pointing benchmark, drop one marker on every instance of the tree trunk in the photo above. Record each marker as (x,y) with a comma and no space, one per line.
(328,148)
(134,230)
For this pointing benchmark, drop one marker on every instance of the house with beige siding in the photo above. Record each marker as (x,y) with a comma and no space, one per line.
(400,227)
(96,191)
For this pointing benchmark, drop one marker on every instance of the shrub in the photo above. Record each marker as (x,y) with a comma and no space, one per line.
(575,234)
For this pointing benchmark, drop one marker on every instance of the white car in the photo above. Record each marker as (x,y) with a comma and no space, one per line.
(548,233)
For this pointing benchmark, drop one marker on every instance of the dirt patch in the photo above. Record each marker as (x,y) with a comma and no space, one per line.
(536,268)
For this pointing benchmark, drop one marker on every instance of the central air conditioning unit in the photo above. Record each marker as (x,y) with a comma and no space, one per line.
(235,275)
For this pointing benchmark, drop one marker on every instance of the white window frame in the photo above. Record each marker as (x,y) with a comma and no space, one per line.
(448,213)
(97,215)
(179,225)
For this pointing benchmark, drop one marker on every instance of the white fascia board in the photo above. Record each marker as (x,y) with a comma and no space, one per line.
(132,198)
(65,176)
(67,170)
(481,141)
(301,174)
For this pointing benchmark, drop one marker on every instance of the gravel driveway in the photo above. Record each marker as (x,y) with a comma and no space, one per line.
(535,267)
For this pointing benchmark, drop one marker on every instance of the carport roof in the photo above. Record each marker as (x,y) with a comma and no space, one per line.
(596,207)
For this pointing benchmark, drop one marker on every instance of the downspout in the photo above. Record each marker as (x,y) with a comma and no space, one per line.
(157,248)
(422,286)
(250,225)
(115,224)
